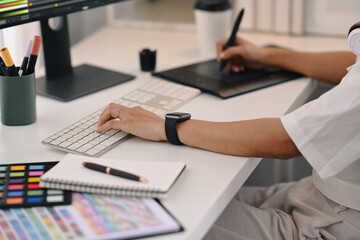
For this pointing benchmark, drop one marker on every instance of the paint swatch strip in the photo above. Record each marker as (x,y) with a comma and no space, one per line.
(19,186)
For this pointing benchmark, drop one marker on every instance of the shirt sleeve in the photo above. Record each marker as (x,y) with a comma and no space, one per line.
(327,130)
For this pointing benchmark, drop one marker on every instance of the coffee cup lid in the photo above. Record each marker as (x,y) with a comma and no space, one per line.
(213,5)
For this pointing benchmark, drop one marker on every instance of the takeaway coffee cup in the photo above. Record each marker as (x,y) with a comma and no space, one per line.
(213,22)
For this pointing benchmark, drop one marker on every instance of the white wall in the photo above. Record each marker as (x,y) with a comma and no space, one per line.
(331,17)
(297,17)
(171,11)
(16,40)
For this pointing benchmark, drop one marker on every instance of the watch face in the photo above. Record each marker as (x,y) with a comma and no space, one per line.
(179,116)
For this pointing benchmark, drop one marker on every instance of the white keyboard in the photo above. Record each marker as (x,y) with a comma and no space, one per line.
(157,96)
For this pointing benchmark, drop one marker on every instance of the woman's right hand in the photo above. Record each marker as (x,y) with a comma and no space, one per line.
(242,55)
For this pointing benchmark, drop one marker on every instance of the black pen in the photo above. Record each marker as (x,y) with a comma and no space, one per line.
(3,70)
(26,59)
(232,38)
(115,172)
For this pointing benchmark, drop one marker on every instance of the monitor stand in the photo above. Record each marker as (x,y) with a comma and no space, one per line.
(63,82)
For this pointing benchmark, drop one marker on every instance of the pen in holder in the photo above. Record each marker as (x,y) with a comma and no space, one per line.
(18,99)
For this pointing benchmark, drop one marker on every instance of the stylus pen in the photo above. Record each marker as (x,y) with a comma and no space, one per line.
(115,172)
(34,53)
(3,70)
(8,61)
(232,38)
(26,58)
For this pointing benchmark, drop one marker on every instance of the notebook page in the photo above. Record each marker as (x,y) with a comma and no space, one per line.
(160,175)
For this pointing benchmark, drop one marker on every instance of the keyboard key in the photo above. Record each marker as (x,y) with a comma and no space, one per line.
(168,107)
(82,134)
(85,147)
(88,138)
(96,141)
(100,147)
(184,97)
(143,100)
(75,146)
(88,131)
(93,120)
(82,141)
(113,131)
(61,139)
(134,104)
(86,124)
(67,135)
(47,140)
(78,136)
(59,134)
(126,103)
(92,152)
(72,140)
(163,102)
(103,137)
(75,131)
(54,137)
(55,142)
(118,136)
(72,127)
(108,142)
(65,130)
(94,134)
(68,129)
(108,134)
(65,144)
(81,127)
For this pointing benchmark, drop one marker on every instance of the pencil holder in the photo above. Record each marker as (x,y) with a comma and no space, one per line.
(18,100)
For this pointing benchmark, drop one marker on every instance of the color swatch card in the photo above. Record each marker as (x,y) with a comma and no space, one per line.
(19,186)
(89,217)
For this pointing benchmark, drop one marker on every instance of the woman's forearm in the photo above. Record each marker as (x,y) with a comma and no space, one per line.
(254,138)
(326,66)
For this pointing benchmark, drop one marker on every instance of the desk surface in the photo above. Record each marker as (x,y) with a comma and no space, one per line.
(210,179)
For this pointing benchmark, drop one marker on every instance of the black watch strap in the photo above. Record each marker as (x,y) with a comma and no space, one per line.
(171,131)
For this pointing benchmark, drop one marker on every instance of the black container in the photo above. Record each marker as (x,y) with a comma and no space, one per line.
(147,60)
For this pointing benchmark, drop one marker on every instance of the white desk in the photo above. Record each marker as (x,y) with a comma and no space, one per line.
(210,179)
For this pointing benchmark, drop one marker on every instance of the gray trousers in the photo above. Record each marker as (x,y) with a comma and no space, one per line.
(294,210)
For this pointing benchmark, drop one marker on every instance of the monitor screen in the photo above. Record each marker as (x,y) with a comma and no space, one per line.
(61,81)
(14,12)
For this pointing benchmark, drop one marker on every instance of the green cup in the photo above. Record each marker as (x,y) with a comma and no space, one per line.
(18,100)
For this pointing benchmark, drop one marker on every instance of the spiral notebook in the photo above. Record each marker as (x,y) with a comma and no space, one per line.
(69,174)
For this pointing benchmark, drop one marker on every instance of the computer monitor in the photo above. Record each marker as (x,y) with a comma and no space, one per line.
(62,81)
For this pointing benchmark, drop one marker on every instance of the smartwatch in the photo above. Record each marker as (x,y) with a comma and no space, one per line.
(171,119)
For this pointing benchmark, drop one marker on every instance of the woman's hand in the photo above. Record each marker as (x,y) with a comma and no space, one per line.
(136,121)
(243,54)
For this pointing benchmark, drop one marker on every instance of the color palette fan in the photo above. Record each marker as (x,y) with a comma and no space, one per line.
(19,186)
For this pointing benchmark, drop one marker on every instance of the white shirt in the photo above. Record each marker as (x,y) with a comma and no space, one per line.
(327,133)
